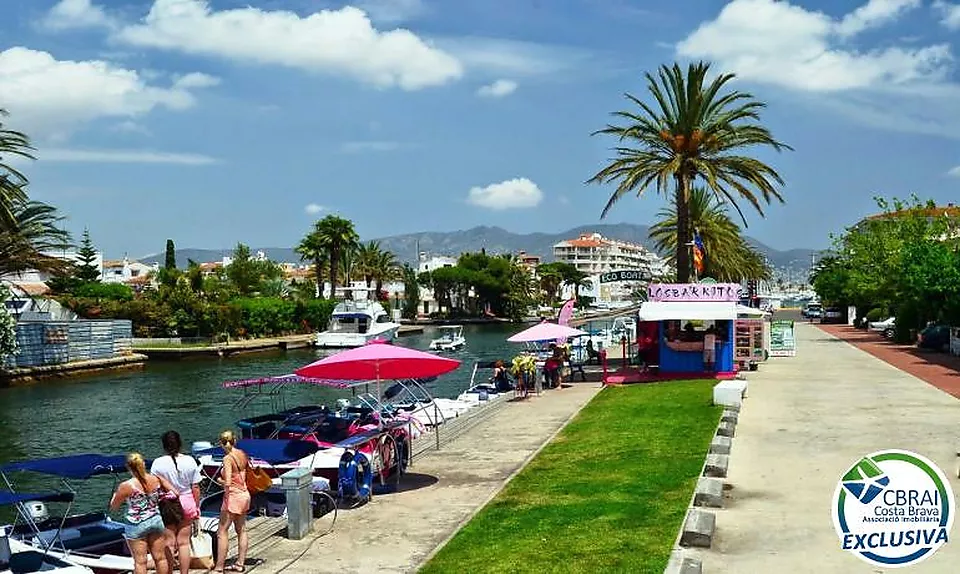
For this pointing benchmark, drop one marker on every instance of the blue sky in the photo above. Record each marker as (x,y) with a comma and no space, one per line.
(245,120)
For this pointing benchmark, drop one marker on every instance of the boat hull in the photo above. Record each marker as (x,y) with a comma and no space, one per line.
(339,340)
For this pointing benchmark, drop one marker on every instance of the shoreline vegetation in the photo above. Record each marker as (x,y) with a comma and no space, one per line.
(558,514)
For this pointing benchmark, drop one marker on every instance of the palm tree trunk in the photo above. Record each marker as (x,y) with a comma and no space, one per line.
(318,271)
(334,267)
(683,229)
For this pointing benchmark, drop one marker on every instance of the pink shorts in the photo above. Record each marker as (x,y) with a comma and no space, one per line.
(189,504)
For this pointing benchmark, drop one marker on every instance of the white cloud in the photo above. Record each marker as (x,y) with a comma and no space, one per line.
(313,208)
(499,57)
(875,13)
(49,98)
(367,146)
(61,155)
(954,171)
(516,193)
(497,89)
(196,80)
(949,14)
(776,42)
(131,127)
(392,11)
(341,41)
(76,14)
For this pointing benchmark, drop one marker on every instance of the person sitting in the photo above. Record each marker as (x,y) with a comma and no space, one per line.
(592,354)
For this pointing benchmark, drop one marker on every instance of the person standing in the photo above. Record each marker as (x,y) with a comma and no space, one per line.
(236,503)
(183,473)
(709,349)
(145,534)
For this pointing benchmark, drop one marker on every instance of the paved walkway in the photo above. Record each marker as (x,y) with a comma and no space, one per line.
(397,532)
(941,370)
(806,420)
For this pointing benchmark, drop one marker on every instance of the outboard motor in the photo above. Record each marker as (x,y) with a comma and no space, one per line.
(199,447)
(37,510)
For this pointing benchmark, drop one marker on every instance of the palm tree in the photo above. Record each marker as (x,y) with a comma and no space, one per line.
(728,256)
(692,131)
(337,237)
(366,258)
(386,268)
(12,182)
(35,233)
(311,248)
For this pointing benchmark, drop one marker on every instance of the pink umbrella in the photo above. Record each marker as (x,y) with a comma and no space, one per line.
(378,362)
(545,331)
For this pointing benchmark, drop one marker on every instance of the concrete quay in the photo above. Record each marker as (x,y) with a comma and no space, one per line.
(398,532)
(26,375)
(807,420)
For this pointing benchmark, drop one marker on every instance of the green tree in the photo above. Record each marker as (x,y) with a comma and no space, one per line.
(729,258)
(8,327)
(248,275)
(12,182)
(170,256)
(337,237)
(694,129)
(411,293)
(311,248)
(87,270)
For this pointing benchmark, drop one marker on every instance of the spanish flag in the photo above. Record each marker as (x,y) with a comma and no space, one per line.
(698,253)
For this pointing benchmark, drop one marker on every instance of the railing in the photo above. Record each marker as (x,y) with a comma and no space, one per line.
(453,428)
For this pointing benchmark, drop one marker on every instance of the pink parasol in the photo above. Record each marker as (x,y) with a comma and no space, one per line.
(378,362)
(545,331)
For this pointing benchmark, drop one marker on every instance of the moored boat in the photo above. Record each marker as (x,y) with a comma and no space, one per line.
(357,321)
(451,338)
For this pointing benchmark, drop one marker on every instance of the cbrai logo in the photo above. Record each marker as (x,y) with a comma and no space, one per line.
(893,508)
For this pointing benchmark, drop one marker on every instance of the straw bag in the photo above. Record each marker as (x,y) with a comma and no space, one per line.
(201,550)
(257,480)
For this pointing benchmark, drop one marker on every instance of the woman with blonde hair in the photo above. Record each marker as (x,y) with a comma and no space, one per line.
(236,503)
(145,535)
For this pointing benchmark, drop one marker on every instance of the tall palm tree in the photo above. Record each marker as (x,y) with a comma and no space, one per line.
(366,258)
(695,129)
(311,248)
(12,182)
(728,255)
(36,232)
(386,268)
(337,237)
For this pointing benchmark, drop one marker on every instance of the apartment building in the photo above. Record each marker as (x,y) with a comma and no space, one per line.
(595,254)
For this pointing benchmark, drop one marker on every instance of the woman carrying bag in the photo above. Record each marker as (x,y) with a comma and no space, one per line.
(183,474)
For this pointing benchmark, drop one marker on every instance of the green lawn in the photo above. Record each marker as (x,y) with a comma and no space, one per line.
(607,495)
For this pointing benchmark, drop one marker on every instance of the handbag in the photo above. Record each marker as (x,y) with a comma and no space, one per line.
(257,480)
(201,550)
(171,511)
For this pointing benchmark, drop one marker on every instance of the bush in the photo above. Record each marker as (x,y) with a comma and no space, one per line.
(266,316)
(314,314)
(875,315)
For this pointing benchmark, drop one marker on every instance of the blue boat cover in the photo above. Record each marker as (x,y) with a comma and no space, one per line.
(10,498)
(77,466)
(270,451)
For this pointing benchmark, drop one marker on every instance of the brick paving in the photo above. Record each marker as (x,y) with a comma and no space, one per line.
(942,370)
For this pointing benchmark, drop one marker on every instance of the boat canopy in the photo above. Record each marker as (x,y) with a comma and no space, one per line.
(270,451)
(10,498)
(294,379)
(77,466)
(350,315)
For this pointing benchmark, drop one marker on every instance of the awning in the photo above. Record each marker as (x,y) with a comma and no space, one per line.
(693,310)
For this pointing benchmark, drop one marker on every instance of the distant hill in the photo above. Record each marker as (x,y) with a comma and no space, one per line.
(494,240)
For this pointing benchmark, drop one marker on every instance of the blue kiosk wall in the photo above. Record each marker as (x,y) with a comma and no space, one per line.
(692,361)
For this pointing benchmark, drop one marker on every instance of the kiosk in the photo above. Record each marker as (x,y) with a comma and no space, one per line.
(687,315)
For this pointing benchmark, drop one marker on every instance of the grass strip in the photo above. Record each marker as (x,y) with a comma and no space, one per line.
(608,494)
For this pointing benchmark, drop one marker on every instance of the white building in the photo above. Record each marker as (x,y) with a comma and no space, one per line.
(34,282)
(595,255)
(434,262)
(133,273)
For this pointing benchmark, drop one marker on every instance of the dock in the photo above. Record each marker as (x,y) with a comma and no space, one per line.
(175,352)
(409,329)
(24,375)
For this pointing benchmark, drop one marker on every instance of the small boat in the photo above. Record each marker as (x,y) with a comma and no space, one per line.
(20,558)
(357,321)
(80,543)
(451,339)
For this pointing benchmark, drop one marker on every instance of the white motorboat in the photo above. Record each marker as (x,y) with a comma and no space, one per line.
(451,338)
(357,321)
(21,558)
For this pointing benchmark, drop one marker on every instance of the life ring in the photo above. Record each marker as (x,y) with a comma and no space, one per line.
(355,477)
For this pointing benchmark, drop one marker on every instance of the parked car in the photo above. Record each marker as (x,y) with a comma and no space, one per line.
(812,311)
(832,315)
(883,326)
(935,338)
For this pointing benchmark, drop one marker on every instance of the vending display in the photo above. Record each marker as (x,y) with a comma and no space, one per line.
(748,342)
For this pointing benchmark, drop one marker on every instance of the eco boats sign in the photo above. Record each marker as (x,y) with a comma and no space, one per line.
(893,508)
(625,275)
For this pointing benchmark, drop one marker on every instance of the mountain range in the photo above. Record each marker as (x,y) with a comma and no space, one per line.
(494,240)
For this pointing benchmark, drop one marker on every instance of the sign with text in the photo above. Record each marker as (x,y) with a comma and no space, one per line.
(783,343)
(625,275)
(714,292)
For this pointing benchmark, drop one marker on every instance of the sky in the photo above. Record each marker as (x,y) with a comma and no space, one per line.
(212,122)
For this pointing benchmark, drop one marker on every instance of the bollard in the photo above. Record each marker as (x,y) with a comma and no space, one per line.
(297,485)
